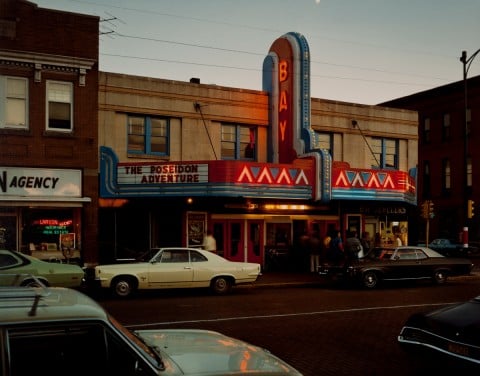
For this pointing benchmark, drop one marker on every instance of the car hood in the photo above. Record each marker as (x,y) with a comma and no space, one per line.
(459,321)
(203,352)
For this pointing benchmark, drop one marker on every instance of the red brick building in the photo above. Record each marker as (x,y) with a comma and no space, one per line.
(448,155)
(48,131)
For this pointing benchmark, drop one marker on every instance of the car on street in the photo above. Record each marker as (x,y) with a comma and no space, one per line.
(176,267)
(59,331)
(397,263)
(449,247)
(451,333)
(17,268)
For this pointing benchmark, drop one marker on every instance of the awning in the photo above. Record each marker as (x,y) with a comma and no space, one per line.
(44,201)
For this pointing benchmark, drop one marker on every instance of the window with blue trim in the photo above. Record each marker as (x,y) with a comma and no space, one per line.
(239,142)
(148,135)
(385,153)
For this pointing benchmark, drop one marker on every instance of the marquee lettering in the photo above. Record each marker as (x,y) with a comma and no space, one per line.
(282,71)
(283,127)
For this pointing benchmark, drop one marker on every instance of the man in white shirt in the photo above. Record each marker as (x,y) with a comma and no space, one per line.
(209,242)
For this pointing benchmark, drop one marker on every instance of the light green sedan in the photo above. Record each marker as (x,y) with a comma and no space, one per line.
(23,270)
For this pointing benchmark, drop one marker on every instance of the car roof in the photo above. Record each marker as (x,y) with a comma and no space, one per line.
(27,304)
(428,251)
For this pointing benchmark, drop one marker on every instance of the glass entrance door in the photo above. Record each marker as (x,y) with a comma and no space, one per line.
(255,248)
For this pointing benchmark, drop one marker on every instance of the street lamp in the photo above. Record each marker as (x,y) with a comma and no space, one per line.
(466,66)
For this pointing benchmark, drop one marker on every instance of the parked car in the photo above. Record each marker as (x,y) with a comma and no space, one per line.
(17,268)
(449,333)
(448,247)
(176,268)
(397,263)
(58,331)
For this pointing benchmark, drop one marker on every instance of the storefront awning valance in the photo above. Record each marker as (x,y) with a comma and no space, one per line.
(44,201)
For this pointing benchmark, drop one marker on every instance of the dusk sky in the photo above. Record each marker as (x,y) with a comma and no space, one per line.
(363,52)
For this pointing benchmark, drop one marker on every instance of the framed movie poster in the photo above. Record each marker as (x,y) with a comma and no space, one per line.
(196,227)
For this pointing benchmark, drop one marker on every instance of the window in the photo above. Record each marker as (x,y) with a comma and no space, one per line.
(426,130)
(426,179)
(148,135)
(446,175)
(59,106)
(469,171)
(13,102)
(324,141)
(238,142)
(446,127)
(385,153)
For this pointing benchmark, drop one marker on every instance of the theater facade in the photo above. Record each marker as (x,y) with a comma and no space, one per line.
(258,168)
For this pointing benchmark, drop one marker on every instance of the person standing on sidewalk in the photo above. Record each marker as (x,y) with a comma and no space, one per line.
(315,250)
(209,242)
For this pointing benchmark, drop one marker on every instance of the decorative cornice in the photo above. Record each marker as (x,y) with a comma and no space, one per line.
(40,62)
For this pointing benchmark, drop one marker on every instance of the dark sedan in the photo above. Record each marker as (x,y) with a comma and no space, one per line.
(398,263)
(450,334)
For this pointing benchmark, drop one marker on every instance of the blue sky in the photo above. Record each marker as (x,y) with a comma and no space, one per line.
(364,52)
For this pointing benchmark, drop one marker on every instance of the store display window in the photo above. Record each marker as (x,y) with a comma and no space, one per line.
(52,234)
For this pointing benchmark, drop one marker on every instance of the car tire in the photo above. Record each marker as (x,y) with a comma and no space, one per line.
(370,279)
(34,283)
(440,276)
(124,287)
(221,285)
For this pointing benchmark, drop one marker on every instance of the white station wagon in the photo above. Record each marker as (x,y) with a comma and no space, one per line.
(60,331)
(179,267)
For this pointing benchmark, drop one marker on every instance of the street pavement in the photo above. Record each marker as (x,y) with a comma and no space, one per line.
(287,278)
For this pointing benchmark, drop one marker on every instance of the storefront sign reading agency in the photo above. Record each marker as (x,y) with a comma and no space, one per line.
(26,182)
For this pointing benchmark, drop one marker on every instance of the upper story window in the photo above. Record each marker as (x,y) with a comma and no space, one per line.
(426,130)
(239,142)
(468,124)
(446,175)
(385,153)
(324,140)
(59,106)
(148,135)
(426,179)
(446,127)
(469,172)
(13,102)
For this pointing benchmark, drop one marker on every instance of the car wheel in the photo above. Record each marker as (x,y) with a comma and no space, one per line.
(34,283)
(370,279)
(124,287)
(440,276)
(221,285)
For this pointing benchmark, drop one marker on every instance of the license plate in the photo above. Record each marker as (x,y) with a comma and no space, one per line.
(458,349)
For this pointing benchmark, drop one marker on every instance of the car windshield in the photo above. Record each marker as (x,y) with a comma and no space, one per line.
(380,253)
(148,255)
(154,353)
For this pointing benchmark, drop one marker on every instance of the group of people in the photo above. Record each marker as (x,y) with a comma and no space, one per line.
(331,247)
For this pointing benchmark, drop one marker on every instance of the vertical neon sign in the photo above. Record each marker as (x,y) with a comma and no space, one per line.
(283,50)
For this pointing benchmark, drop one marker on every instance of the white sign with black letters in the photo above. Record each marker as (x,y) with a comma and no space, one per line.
(40,182)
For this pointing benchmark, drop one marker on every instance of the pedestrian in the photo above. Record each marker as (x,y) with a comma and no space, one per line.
(336,254)
(315,250)
(325,246)
(398,240)
(366,243)
(209,242)
(352,246)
